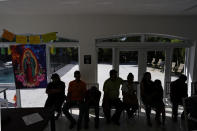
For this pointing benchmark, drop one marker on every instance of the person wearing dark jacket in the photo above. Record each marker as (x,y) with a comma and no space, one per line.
(147,92)
(158,102)
(56,94)
(178,91)
(92,99)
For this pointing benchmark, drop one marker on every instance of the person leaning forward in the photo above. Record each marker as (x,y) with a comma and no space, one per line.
(75,98)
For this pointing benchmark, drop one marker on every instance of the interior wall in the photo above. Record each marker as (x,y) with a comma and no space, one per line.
(86,28)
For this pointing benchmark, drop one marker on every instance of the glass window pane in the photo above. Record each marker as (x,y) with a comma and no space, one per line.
(6,69)
(121,39)
(104,66)
(6,73)
(128,64)
(64,61)
(155,65)
(178,63)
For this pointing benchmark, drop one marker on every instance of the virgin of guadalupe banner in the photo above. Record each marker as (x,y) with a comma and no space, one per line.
(29,64)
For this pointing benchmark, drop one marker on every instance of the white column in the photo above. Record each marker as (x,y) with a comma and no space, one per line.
(115,59)
(88,71)
(18,98)
(96,64)
(193,62)
(142,63)
(187,55)
(167,67)
(192,66)
(48,63)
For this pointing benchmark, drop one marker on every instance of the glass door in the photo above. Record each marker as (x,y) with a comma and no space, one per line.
(128,63)
(104,66)
(156,65)
(178,63)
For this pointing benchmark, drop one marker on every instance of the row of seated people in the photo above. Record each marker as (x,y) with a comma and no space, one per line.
(152,97)
(78,95)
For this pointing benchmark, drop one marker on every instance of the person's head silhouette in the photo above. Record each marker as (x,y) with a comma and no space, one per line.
(183,78)
(157,82)
(55,77)
(147,76)
(113,74)
(130,77)
(77,75)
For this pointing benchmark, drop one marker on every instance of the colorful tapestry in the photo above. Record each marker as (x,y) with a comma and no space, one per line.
(29,64)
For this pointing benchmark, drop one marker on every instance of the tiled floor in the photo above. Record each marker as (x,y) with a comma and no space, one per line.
(136,124)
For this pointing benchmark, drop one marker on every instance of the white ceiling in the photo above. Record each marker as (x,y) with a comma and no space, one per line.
(133,7)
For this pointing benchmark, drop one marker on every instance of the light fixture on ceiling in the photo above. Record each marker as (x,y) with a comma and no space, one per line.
(123,38)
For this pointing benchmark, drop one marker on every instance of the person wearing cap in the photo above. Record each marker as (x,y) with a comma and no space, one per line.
(56,94)
(111,97)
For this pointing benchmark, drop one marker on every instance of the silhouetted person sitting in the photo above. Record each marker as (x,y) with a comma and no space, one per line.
(191,110)
(56,94)
(111,98)
(75,98)
(92,99)
(178,91)
(147,89)
(130,100)
(158,102)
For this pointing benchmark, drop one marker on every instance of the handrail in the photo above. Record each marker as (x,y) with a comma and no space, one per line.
(8,85)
